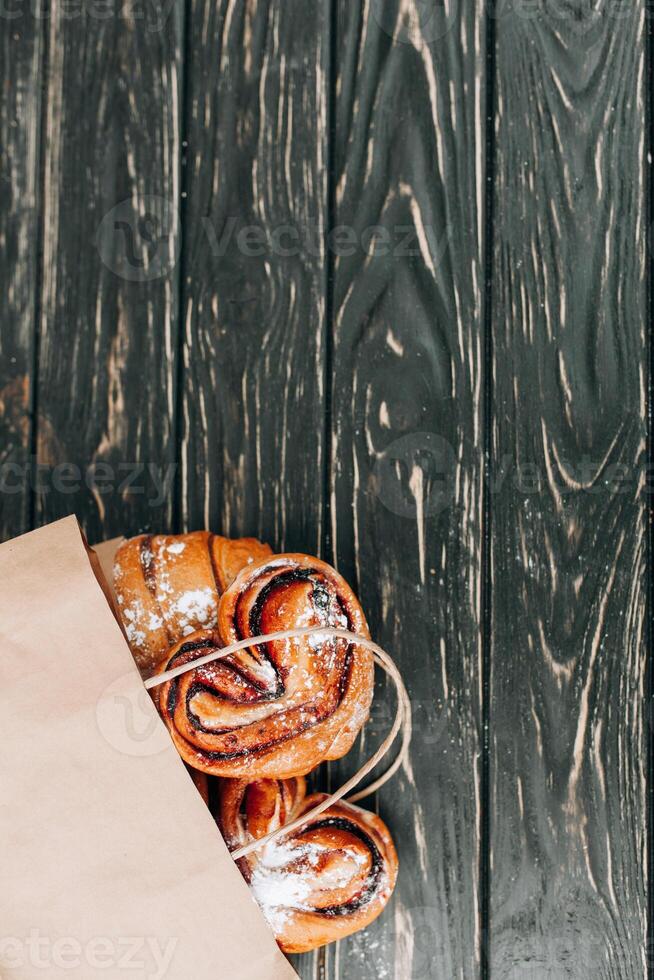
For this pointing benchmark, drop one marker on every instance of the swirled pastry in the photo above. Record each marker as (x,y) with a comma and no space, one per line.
(169,586)
(325,881)
(276,709)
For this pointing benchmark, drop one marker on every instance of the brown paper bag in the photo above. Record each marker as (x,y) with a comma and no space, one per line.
(111,863)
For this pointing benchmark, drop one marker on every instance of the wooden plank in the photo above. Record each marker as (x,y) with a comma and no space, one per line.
(569,524)
(253,419)
(407,444)
(254,279)
(21,47)
(106,392)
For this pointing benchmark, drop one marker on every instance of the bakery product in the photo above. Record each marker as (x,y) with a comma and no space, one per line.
(168,586)
(280,708)
(325,881)
(264,716)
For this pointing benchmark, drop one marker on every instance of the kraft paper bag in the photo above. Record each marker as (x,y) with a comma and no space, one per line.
(111,864)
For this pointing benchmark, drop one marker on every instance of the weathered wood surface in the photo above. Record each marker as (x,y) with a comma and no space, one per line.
(406,473)
(569,523)
(21,53)
(171,195)
(109,302)
(253,403)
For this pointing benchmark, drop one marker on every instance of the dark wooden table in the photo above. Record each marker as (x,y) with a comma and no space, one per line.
(370,279)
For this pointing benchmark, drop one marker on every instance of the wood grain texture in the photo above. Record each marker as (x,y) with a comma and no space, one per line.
(106,386)
(330,394)
(254,277)
(569,542)
(21,52)
(407,445)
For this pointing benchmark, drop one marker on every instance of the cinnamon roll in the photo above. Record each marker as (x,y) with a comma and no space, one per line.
(169,586)
(323,882)
(280,708)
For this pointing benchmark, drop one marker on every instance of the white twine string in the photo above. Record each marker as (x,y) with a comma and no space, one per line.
(402,721)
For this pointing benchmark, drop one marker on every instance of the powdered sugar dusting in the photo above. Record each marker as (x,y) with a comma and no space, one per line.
(277,890)
(133,616)
(135,636)
(196,609)
(282,883)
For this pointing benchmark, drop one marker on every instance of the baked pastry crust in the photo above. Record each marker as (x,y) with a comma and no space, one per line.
(281,708)
(168,586)
(323,882)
